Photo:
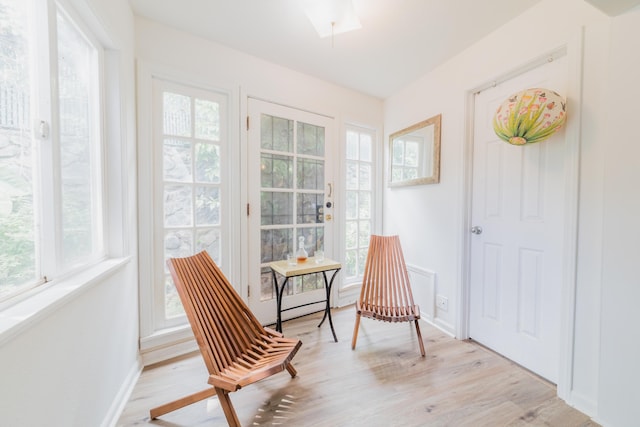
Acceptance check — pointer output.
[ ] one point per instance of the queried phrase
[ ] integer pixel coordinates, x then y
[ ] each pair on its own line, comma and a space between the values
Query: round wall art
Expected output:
529, 116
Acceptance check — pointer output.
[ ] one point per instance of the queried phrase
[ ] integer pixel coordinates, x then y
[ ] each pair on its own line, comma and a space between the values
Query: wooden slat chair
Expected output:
236, 348
386, 291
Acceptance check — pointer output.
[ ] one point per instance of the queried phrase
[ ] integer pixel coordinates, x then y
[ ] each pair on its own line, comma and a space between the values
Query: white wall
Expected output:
619, 402
73, 364
431, 219
213, 65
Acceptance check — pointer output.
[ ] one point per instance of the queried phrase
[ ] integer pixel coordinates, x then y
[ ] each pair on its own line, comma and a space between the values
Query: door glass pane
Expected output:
292, 194
310, 282
266, 285
276, 133
178, 243
310, 139
276, 244
177, 160
17, 216
209, 239
207, 120
173, 305
207, 206
276, 208
309, 208
78, 134
310, 174
313, 238
176, 114
276, 171
177, 206
208, 163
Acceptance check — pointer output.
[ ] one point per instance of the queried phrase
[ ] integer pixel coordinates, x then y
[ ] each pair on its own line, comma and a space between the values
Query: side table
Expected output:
310, 266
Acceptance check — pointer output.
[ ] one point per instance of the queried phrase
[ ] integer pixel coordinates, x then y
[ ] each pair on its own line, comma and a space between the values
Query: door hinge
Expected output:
248, 292
247, 209
247, 122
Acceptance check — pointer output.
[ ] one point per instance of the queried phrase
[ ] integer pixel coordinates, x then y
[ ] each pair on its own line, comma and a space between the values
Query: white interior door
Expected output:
516, 261
289, 174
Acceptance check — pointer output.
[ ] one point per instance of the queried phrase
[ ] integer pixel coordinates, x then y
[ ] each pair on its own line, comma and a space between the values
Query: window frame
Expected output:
45, 140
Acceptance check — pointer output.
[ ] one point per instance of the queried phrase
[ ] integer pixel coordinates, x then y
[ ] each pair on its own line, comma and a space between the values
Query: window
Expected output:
360, 206
50, 176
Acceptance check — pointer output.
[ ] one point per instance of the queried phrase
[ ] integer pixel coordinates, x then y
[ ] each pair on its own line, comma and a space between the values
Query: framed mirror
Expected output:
414, 154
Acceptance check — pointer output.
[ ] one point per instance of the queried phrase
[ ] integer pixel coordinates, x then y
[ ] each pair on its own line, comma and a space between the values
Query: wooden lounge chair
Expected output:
236, 348
386, 291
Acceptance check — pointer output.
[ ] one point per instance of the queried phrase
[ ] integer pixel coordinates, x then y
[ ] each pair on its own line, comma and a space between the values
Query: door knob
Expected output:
476, 229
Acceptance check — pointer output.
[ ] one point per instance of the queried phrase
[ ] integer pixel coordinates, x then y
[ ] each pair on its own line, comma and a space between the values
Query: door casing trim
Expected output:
573, 49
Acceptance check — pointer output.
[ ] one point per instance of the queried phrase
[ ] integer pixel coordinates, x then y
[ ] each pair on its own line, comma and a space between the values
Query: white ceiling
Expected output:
400, 40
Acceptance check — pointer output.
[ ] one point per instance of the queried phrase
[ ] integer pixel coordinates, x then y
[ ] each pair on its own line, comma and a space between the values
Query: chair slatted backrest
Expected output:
222, 323
235, 347
386, 289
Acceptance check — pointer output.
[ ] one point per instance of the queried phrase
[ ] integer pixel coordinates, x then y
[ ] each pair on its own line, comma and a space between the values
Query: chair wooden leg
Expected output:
181, 403
227, 407
419, 338
355, 332
292, 371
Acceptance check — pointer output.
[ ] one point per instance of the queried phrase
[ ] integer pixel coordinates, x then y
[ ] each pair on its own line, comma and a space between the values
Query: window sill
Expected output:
23, 314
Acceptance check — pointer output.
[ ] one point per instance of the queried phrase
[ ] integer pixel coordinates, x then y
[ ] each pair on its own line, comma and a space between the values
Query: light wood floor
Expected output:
384, 382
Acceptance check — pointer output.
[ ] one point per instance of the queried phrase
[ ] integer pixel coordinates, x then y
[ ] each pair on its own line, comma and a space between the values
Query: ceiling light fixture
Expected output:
331, 17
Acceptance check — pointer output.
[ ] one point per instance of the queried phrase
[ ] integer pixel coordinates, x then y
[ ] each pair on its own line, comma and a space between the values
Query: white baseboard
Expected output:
346, 296
167, 344
166, 352
123, 395
584, 404
445, 327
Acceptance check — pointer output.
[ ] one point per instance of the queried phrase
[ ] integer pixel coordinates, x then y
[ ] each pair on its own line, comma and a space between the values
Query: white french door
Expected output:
290, 185
191, 182
518, 216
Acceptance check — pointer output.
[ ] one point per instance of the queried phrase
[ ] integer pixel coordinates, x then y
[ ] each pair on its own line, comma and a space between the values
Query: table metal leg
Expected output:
279, 293
328, 284
327, 309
